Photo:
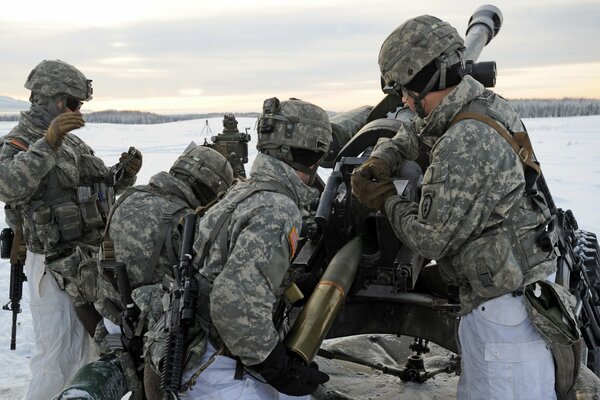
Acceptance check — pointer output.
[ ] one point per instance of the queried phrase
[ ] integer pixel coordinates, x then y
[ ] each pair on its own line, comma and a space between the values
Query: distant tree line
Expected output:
139, 117
567, 107
527, 108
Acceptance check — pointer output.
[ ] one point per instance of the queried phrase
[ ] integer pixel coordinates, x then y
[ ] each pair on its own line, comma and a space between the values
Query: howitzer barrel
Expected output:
325, 302
484, 25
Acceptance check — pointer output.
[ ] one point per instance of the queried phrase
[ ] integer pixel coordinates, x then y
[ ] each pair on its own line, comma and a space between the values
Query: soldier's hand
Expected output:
133, 164
370, 193
374, 168
288, 374
60, 126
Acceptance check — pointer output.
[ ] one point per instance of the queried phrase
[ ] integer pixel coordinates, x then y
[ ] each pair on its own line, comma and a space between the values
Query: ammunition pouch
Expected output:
90, 216
490, 266
551, 309
68, 218
45, 230
75, 272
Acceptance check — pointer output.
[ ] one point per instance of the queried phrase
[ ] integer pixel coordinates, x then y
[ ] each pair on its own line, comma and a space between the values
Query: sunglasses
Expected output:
74, 104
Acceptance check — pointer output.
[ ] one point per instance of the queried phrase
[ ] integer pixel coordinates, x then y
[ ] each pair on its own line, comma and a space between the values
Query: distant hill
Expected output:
141, 117
8, 104
527, 108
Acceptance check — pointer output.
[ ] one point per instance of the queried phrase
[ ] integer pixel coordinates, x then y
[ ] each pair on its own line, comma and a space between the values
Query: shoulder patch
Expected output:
293, 240
19, 144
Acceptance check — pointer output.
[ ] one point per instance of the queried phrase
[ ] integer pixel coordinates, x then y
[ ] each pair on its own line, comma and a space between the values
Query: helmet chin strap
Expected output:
419, 99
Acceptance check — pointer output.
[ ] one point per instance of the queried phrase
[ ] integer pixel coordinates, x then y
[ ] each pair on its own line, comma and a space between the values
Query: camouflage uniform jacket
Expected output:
136, 228
261, 239
474, 185
40, 177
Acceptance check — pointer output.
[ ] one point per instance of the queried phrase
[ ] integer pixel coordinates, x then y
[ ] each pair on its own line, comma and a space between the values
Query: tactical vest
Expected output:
163, 239
65, 209
501, 261
197, 338
559, 328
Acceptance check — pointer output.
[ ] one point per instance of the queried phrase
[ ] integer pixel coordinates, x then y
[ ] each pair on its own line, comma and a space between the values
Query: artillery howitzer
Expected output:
394, 290
232, 144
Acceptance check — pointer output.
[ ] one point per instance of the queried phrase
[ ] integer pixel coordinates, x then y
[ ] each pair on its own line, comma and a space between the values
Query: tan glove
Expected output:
60, 126
374, 168
370, 193
133, 162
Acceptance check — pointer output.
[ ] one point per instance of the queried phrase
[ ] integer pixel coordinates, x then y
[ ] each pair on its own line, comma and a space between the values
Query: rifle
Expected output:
131, 326
181, 312
13, 248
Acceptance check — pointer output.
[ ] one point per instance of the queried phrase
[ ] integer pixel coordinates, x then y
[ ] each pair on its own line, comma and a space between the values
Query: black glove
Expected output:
288, 374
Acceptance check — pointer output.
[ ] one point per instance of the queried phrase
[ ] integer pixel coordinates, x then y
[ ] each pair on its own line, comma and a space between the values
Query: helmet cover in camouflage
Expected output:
415, 44
53, 77
292, 124
205, 166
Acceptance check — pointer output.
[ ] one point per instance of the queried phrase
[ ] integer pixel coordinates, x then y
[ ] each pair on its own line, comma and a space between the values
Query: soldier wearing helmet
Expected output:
244, 245
473, 217
58, 193
143, 230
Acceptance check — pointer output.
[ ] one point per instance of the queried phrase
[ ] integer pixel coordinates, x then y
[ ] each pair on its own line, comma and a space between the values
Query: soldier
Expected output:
243, 248
473, 217
58, 192
143, 230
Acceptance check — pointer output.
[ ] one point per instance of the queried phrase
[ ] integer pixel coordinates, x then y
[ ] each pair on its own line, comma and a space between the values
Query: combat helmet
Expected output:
54, 77
420, 43
295, 132
205, 170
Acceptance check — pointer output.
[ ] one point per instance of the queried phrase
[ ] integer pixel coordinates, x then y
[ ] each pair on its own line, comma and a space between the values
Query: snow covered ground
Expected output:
568, 149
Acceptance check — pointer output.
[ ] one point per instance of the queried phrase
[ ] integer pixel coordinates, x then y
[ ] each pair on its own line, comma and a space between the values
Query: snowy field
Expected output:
568, 149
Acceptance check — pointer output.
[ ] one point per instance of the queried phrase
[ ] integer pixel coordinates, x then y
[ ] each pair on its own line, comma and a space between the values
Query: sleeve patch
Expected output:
19, 144
293, 240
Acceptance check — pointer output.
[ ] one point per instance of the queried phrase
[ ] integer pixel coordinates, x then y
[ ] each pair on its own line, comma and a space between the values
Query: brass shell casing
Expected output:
324, 303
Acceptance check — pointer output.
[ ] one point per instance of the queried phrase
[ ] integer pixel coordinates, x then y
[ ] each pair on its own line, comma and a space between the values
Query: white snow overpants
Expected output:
62, 345
503, 356
217, 382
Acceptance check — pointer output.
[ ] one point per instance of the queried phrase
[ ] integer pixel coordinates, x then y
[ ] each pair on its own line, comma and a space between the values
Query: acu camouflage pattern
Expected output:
35, 182
248, 284
205, 166
38, 182
297, 124
134, 228
52, 77
474, 184
416, 43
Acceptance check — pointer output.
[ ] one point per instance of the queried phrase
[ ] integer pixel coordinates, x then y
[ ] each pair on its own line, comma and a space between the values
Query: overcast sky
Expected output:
227, 55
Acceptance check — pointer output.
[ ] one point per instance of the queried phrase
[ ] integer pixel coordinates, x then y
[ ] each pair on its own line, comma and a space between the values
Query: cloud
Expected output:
236, 52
